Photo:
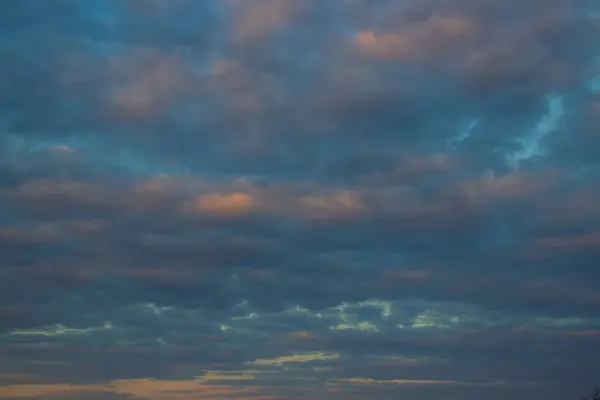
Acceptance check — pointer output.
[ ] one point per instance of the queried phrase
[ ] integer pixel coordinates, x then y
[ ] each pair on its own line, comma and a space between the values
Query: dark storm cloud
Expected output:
298, 199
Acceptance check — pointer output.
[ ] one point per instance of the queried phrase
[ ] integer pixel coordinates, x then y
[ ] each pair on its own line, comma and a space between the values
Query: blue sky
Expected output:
299, 199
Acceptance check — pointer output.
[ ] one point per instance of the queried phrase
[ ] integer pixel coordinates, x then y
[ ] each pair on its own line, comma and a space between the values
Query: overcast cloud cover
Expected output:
299, 199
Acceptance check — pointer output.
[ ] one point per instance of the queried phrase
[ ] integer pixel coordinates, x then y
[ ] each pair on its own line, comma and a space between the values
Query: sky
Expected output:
299, 199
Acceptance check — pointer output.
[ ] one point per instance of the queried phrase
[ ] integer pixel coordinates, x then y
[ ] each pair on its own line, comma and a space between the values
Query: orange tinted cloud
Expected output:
385, 46
152, 389
231, 204
302, 335
338, 204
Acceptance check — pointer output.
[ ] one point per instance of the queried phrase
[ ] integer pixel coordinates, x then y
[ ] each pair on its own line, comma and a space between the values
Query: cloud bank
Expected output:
294, 199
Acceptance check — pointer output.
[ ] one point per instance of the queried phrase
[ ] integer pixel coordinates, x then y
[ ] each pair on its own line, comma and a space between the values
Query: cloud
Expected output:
397, 381
271, 199
298, 358
530, 147
134, 388
583, 241
435, 34
146, 83
226, 204
256, 20
512, 186
60, 330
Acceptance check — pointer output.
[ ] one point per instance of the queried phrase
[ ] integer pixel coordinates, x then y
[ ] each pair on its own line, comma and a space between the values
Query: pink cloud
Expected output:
145, 82
513, 186
569, 211
408, 168
515, 57
318, 203
155, 194
230, 204
585, 241
143, 388
592, 333
242, 88
429, 37
256, 19
342, 204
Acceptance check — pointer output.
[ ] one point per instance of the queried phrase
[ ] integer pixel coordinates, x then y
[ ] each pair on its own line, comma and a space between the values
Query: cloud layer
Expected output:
293, 199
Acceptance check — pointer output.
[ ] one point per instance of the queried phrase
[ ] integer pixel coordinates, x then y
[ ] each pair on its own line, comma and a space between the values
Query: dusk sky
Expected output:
299, 199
